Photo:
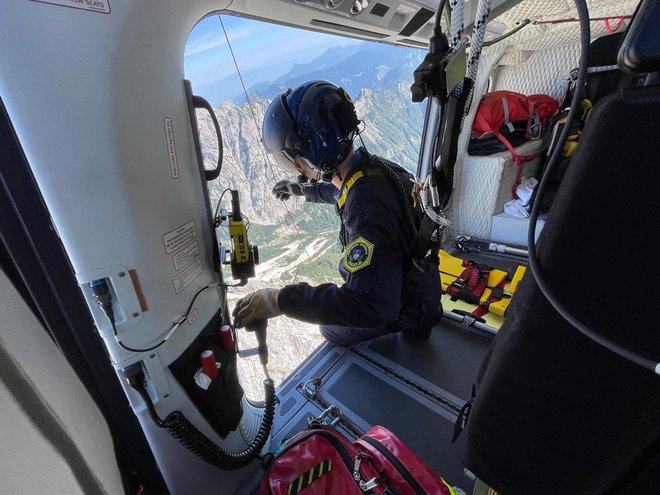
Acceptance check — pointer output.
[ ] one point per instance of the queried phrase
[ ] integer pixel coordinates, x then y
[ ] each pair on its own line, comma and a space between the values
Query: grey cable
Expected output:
270, 165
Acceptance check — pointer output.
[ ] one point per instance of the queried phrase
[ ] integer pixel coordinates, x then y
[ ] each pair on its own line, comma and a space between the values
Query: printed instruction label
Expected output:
186, 255
179, 237
171, 147
184, 279
100, 6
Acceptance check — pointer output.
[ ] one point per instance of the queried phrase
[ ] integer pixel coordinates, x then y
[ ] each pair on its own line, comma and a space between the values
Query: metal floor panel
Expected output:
370, 398
446, 364
449, 359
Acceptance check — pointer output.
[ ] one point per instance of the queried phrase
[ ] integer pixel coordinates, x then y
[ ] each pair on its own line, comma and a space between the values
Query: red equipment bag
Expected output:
502, 108
322, 461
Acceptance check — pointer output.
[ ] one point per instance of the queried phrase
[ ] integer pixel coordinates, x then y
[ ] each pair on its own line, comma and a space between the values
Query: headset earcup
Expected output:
347, 118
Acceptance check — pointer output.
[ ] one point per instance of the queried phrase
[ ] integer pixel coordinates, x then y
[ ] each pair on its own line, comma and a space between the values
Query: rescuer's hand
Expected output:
260, 305
284, 189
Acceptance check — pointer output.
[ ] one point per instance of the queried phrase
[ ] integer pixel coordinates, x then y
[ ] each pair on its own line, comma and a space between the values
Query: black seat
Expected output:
604, 77
556, 412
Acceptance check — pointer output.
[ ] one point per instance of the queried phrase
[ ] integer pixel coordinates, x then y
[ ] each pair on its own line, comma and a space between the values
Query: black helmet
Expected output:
315, 121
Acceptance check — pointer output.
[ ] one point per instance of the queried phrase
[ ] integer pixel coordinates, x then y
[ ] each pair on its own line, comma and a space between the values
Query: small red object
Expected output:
226, 337
207, 359
614, 29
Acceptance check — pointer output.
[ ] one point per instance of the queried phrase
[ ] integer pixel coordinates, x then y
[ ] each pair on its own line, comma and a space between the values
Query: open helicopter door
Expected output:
106, 126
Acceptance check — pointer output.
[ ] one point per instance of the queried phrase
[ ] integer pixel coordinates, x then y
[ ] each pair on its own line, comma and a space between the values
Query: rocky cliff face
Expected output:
245, 166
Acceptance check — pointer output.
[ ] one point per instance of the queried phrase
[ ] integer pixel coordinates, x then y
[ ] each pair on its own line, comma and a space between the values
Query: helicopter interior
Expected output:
104, 190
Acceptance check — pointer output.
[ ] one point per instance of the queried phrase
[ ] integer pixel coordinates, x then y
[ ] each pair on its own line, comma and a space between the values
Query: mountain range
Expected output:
353, 67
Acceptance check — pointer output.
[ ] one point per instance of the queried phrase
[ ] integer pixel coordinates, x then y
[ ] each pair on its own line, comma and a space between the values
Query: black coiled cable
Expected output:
198, 443
401, 189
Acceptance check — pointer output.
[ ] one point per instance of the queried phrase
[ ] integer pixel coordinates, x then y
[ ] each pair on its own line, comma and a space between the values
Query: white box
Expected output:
512, 230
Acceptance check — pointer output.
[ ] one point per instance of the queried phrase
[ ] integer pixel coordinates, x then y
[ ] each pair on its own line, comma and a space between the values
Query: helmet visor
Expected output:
279, 128
294, 165
284, 160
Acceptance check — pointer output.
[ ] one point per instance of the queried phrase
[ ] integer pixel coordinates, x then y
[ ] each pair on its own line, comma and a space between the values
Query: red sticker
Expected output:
192, 316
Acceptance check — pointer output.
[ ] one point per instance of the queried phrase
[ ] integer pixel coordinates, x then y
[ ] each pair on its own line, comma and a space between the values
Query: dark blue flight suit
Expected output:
377, 296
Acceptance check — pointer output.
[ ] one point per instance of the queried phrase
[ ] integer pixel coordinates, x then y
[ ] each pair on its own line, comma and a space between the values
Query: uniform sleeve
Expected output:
320, 192
372, 263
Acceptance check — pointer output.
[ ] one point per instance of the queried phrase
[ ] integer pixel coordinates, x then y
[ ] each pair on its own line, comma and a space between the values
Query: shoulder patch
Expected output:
358, 254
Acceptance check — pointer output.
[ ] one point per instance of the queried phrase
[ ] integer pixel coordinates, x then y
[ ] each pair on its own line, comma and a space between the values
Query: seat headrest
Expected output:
604, 51
640, 50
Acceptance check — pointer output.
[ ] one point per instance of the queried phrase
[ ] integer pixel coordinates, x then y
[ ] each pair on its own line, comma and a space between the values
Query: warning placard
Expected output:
185, 256
100, 6
179, 237
184, 279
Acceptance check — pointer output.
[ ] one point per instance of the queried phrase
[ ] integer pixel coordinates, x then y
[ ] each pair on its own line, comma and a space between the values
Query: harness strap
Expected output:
508, 145
533, 130
499, 301
471, 284
507, 114
517, 159
346, 187
497, 294
520, 165
494, 299
373, 172
370, 172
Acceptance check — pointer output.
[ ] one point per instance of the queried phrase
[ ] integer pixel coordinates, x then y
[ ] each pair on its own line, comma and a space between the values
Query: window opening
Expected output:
297, 241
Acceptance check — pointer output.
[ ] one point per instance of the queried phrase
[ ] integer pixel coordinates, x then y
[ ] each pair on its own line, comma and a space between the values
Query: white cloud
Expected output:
205, 42
216, 37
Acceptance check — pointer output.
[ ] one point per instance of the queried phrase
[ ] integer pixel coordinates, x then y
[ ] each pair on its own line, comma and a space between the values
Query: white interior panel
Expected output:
540, 72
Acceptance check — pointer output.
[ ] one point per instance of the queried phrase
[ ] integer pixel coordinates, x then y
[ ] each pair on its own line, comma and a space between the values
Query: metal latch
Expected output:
334, 410
365, 486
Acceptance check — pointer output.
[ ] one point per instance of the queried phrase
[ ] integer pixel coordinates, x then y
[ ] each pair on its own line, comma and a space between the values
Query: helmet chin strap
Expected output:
328, 172
328, 169
327, 175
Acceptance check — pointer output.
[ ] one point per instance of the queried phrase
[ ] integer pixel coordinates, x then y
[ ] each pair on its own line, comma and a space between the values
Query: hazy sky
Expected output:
264, 52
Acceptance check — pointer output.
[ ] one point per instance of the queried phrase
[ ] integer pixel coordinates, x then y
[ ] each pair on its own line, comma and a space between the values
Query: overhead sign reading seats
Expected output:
100, 6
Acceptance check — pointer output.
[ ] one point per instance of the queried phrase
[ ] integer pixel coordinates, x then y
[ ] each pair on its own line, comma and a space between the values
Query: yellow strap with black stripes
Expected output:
309, 477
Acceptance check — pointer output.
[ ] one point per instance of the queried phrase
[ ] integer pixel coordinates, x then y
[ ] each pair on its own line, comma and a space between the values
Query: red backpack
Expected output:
320, 461
502, 108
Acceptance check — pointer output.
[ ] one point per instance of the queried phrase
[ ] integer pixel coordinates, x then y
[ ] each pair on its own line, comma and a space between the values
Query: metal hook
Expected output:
335, 410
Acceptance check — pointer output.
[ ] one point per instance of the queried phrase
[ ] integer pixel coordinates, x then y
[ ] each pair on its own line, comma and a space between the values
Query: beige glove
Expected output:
260, 305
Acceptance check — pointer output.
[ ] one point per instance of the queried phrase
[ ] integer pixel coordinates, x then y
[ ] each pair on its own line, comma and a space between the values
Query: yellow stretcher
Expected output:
451, 268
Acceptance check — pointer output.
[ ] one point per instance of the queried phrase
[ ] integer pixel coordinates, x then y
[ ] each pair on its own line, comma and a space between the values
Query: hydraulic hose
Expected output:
193, 439
199, 444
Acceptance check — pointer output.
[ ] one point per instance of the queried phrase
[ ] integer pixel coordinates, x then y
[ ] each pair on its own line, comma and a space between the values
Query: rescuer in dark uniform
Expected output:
311, 129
